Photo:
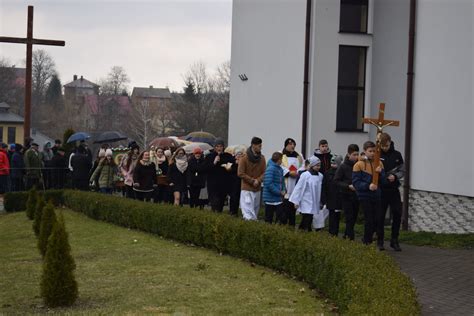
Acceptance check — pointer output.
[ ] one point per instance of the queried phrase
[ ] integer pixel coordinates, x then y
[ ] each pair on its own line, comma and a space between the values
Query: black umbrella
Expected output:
110, 137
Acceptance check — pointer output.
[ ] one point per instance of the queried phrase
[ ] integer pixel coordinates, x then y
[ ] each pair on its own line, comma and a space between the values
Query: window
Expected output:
12, 135
1, 134
351, 88
353, 18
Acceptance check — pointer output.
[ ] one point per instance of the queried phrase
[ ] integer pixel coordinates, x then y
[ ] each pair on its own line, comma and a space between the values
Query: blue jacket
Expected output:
273, 183
362, 178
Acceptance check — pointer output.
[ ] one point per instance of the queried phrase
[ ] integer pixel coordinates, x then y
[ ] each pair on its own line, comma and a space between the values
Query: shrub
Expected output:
357, 278
31, 203
48, 220
58, 285
38, 212
17, 201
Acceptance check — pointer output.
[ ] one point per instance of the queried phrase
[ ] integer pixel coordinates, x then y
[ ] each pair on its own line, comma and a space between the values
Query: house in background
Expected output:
80, 87
156, 97
11, 126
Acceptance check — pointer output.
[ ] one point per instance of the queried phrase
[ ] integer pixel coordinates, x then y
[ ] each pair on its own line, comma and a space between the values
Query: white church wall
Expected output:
268, 47
389, 64
443, 146
324, 76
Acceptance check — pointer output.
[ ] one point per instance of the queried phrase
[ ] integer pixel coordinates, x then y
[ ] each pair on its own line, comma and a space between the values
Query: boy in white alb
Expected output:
306, 195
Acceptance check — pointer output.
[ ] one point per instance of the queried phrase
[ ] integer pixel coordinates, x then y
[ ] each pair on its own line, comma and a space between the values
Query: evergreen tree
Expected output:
38, 214
54, 91
58, 284
31, 203
48, 219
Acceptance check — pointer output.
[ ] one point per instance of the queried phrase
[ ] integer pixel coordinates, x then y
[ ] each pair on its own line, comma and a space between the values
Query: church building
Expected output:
312, 69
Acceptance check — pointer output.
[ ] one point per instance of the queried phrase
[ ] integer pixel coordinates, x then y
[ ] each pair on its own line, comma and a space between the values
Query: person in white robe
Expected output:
306, 195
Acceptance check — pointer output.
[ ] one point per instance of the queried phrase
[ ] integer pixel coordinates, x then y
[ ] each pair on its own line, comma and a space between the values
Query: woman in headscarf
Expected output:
106, 173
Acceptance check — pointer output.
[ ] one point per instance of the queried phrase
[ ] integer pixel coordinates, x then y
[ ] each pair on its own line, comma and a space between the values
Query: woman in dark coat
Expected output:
144, 177
17, 173
162, 192
177, 175
196, 178
59, 169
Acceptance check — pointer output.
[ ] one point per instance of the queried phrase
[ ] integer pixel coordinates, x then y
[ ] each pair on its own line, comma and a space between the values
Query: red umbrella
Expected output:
164, 142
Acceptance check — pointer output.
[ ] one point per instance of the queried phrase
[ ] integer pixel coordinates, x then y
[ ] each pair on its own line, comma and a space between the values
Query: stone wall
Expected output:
441, 212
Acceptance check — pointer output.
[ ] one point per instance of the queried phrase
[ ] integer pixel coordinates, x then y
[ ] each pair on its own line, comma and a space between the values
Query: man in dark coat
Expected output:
81, 165
324, 154
17, 173
395, 170
218, 166
59, 169
33, 165
196, 178
331, 196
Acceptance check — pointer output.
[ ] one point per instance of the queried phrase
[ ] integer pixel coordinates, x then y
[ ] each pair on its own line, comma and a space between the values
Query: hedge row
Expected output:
16, 201
357, 278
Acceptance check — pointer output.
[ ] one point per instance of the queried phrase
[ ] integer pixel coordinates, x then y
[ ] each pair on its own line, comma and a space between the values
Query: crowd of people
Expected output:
322, 185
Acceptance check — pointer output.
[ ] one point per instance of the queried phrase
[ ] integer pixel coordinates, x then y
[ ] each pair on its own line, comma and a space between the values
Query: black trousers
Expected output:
194, 193
17, 184
129, 192
334, 218
288, 213
392, 198
31, 182
351, 210
81, 184
143, 196
306, 222
272, 211
217, 200
372, 212
234, 202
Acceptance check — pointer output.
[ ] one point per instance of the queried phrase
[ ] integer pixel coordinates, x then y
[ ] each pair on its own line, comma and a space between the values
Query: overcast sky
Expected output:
155, 41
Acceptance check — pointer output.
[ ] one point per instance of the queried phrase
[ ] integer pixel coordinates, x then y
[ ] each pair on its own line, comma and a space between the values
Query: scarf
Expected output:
181, 164
160, 160
253, 158
145, 163
292, 154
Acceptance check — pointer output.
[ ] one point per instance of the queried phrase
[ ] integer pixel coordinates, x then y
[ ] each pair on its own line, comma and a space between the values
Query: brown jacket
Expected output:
249, 171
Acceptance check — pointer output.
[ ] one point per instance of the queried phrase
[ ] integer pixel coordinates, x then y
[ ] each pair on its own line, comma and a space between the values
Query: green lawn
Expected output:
121, 271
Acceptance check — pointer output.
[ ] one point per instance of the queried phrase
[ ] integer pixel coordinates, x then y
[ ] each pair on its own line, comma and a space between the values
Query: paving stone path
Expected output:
444, 278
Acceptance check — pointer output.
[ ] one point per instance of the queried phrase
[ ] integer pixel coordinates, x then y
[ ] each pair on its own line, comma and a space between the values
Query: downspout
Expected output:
304, 136
409, 114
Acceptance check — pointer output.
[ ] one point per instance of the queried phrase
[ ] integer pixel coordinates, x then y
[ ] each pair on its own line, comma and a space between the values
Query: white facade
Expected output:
267, 37
443, 154
268, 46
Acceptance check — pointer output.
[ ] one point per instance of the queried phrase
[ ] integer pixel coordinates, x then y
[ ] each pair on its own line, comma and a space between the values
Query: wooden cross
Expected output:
29, 41
380, 123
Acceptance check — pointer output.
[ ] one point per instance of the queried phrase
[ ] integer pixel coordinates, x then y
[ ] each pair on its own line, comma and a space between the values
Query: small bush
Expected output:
357, 278
31, 203
40, 204
48, 220
58, 285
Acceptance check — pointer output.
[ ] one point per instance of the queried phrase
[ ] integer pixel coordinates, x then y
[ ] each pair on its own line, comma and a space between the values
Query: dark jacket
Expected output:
362, 178
325, 160
195, 173
235, 181
343, 178
393, 164
81, 166
17, 166
330, 194
59, 165
177, 178
218, 178
145, 176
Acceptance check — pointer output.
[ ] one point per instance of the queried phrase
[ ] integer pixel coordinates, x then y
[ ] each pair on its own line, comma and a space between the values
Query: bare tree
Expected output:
7, 81
116, 82
43, 68
141, 125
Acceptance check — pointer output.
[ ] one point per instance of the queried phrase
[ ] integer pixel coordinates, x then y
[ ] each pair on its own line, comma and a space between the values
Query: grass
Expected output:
122, 271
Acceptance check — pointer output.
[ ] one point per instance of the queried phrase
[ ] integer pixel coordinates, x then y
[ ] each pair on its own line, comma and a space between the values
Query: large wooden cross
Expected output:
29, 41
380, 123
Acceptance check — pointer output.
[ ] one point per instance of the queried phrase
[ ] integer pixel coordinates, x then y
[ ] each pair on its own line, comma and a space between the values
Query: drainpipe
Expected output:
408, 114
304, 136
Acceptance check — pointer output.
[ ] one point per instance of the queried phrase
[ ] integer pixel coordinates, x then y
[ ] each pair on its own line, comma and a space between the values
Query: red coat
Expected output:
4, 163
